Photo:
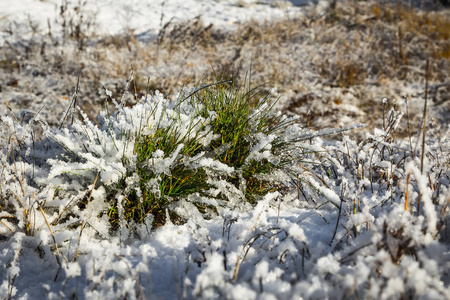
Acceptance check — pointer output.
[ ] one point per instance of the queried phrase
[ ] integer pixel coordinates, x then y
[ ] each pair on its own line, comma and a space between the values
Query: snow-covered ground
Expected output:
331, 232
145, 18
339, 232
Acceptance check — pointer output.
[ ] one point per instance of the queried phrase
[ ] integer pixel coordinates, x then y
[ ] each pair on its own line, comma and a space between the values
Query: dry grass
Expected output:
354, 54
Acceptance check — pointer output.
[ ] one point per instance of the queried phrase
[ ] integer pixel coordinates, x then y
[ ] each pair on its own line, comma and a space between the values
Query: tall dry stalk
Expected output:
427, 75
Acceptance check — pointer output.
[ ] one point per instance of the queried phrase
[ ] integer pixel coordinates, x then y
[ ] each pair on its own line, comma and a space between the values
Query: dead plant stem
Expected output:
427, 75
84, 220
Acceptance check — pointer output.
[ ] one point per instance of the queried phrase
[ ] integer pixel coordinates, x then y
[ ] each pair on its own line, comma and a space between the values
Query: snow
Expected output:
146, 18
336, 230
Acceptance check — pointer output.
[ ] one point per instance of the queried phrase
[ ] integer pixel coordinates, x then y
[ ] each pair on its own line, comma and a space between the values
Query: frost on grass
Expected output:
341, 220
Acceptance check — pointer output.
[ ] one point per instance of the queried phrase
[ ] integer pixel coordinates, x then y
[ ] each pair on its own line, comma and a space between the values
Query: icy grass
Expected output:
265, 207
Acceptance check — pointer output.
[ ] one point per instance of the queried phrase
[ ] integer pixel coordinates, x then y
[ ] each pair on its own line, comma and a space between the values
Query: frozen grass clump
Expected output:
215, 196
215, 147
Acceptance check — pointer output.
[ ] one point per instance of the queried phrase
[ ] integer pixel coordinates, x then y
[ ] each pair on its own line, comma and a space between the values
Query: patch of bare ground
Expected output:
331, 65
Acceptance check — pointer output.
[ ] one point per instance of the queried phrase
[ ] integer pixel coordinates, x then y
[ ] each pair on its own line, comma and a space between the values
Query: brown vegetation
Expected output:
342, 61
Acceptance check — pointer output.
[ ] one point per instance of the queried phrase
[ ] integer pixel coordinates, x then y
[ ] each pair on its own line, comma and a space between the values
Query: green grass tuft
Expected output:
238, 119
